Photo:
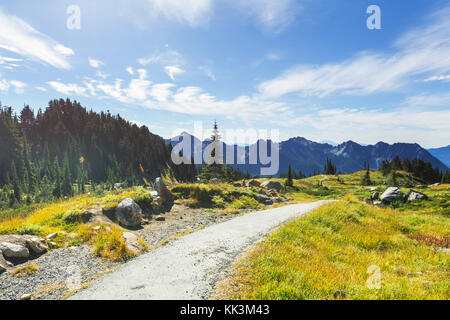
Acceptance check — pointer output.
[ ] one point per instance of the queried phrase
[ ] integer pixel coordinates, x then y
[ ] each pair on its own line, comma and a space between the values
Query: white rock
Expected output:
26, 297
52, 236
392, 194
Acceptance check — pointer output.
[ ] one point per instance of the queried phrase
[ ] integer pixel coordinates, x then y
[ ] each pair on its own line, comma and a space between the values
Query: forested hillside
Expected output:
44, 154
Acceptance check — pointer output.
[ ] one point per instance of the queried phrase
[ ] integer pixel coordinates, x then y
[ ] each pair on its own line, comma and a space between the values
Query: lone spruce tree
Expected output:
365, 181
289, 182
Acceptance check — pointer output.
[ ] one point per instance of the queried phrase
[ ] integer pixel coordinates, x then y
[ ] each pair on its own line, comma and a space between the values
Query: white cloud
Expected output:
41, 89
102, 75
192, 12
208, 73
19, 37
273, 16
18, 85
68, 89
426, 127
438, 78
95, 63
4, 85
271, 56
173, 71
161, 91
130, 70
170, 57
422, 51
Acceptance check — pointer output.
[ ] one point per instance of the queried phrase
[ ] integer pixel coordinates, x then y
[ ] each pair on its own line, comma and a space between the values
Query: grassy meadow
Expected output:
333, 252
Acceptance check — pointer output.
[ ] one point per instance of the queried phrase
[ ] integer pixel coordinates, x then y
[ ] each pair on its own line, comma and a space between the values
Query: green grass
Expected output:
331, 250
67, 219
219, 196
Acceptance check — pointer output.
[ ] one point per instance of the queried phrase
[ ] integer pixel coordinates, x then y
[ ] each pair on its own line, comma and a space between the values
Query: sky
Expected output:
309, 68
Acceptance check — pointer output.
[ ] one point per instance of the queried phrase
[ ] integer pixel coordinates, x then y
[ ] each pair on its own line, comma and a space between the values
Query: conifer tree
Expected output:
365, 181
289, 182
17, 190
67, 187
57, 192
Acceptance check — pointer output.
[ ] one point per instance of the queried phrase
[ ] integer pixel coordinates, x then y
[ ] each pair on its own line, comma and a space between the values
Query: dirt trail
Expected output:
191, 266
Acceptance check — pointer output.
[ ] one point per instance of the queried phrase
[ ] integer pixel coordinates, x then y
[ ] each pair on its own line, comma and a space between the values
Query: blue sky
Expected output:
308, 68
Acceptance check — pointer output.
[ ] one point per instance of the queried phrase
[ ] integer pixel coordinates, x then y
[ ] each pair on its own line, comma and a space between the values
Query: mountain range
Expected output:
309, 156
442, 154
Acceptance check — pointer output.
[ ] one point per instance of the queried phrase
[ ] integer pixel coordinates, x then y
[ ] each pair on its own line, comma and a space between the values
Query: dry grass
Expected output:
331, 250
108, 242
26, 270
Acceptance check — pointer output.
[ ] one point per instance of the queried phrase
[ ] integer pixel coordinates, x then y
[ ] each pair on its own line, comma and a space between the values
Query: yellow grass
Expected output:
331, 250
28, 269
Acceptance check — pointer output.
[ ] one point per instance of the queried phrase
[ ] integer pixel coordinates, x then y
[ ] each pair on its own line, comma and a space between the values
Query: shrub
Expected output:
32, 229
219, 202
245, 202
145, 202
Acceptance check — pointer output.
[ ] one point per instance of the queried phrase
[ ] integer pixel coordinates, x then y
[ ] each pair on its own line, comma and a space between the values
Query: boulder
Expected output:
262, 198
131, 241
165, 202
128, 213
415, 195
373, 189
392, 194
3, 263
37, 245
119, 185
379, 204
14, 251
253, 183
375, 195
154, 193
274, 185
435, 184
162, 190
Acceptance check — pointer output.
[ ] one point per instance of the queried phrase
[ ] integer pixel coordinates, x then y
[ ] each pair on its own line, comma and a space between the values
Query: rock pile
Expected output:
15, 249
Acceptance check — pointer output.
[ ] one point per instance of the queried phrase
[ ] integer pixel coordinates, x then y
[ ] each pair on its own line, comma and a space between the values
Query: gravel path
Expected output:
63, 267
191, 266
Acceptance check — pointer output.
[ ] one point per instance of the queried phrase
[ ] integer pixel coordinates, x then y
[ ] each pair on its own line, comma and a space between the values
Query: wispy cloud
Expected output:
68, 89
19, 37
271, 56
209, 73
167, 57
173, 71
438, 78
422, 51
273, 16
19, 86
192, 12
95, 63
